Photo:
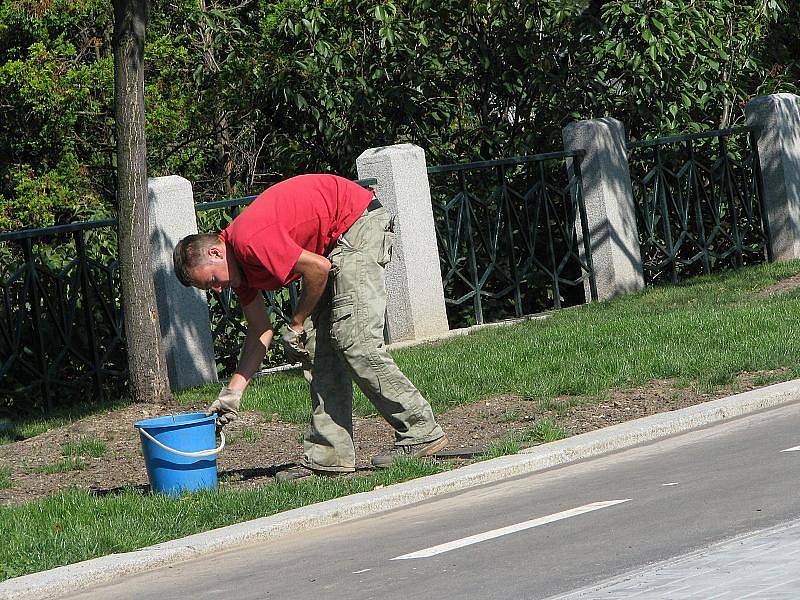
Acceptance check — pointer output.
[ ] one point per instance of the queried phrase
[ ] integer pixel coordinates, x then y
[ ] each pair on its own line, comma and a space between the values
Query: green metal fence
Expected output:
61, 324
699, 203
62, 334
507, 239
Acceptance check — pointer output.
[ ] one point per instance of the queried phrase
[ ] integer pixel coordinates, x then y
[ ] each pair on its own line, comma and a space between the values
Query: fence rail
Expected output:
61, 322
699, 202
507, 239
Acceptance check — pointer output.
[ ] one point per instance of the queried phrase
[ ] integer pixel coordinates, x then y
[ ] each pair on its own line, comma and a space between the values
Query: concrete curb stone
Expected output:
71, 578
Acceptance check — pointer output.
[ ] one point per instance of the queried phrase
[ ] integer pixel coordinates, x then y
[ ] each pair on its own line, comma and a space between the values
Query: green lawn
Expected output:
700, 333
75, 525
704, 331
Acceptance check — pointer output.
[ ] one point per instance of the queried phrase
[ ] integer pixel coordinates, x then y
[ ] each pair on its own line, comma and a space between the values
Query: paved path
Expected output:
758, 566
533, 536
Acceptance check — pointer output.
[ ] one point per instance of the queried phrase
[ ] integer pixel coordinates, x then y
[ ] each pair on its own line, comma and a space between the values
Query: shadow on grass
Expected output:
143, 488
253, 472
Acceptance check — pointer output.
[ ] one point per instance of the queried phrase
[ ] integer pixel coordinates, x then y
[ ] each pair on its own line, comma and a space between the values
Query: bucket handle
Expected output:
198, 454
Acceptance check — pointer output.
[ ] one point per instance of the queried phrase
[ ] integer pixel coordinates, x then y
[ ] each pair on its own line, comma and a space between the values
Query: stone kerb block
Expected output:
182, 311
610, 211
776, 120
416, 307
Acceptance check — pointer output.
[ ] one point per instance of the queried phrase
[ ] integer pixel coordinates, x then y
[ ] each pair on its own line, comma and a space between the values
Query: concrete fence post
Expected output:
776, 120
182, 311
416, 307
610, 212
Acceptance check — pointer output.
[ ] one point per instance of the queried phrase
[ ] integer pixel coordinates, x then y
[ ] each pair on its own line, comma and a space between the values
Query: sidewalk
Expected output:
760, 565
73, 577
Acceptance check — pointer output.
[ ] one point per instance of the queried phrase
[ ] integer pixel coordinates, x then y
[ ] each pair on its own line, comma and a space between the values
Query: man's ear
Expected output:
216, 251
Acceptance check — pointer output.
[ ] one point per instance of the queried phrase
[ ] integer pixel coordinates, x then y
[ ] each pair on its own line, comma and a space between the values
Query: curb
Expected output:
72, 578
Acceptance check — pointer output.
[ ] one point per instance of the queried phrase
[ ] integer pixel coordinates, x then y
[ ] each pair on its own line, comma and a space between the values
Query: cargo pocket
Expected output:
386, 248
343, 322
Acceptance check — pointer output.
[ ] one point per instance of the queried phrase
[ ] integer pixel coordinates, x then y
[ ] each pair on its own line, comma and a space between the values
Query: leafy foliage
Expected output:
241, 95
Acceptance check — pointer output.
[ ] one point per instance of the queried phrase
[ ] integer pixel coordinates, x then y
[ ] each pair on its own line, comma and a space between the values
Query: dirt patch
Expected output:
784, 285
259, 447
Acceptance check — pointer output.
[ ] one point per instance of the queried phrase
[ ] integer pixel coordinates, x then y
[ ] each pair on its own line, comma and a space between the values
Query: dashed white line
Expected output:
495, 533
671, 483
361, 571
792, 449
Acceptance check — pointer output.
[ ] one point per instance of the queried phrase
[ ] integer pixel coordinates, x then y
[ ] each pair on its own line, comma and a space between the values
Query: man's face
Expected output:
216, 273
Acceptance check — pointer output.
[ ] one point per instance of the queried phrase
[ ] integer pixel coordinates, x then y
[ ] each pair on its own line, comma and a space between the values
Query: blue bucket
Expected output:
180, 453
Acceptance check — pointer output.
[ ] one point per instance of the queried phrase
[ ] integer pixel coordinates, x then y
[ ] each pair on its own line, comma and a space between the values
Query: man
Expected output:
335, 237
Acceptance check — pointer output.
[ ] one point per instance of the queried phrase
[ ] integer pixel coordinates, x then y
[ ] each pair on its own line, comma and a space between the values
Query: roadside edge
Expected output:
74, 577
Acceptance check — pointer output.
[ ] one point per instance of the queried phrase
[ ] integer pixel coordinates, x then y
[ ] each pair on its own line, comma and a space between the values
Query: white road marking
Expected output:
361, 571
670, 483
495, 533
792, 449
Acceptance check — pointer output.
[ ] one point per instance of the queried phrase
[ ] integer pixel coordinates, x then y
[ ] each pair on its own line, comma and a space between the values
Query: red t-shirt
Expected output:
308, 212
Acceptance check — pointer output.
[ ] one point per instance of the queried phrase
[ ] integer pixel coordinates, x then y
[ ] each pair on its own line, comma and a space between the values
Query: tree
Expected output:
148, 373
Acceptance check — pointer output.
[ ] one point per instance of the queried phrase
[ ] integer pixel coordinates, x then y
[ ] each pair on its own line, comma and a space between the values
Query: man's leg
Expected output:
328, 443
358, 310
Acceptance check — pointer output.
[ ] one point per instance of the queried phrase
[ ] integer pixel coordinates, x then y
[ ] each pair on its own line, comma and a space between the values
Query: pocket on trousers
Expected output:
343, 322
386, 248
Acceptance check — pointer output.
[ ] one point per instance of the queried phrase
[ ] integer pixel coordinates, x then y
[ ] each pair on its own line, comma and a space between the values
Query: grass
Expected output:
75, 525
560, 407
541, 433
84, 447
702, 333
247, 435
510, 416
64, 465
5, 478
33, 425
699, 335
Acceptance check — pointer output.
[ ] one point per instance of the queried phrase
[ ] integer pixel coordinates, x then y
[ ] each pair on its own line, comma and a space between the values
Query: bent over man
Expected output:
335, 237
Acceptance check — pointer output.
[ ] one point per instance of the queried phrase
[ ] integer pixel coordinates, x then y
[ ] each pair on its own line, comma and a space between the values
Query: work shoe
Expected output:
381, 461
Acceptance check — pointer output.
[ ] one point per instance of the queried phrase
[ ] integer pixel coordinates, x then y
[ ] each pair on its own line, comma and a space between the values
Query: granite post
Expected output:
776, 120
183, 312
610, 212
416, 307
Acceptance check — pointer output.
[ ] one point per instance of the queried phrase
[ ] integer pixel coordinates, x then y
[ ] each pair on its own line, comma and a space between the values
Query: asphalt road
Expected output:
531, 537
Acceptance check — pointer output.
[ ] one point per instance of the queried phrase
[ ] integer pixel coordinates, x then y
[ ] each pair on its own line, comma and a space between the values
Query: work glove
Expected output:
226, 406
294, 345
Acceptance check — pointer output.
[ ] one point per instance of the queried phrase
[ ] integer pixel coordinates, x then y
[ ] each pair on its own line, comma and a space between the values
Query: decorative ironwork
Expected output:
507, 237
698, 199
61, 324
62, 336
227, 321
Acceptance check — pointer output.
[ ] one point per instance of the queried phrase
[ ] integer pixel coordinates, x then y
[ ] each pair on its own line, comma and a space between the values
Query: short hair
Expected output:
191, 252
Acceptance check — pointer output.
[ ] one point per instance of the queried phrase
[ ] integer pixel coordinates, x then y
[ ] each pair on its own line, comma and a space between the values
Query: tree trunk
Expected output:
146, 363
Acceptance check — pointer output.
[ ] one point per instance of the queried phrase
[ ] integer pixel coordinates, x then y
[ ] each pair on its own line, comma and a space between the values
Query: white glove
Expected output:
226, 406
294, 345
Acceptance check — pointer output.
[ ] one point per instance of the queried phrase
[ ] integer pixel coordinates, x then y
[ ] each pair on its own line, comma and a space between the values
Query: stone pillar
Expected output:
776, 120
610, 212
183, 312
416, 306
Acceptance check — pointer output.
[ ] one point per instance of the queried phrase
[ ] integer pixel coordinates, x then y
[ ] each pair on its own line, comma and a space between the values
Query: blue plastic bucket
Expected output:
180, 452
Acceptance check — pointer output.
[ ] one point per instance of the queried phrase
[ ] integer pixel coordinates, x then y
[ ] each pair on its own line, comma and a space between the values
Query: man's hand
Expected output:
294, 345
226, 406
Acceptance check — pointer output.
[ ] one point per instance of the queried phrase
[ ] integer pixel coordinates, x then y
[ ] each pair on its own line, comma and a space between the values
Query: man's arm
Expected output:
313, 269
259, 336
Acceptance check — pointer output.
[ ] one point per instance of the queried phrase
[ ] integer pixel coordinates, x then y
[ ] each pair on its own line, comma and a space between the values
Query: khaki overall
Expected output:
346, 343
